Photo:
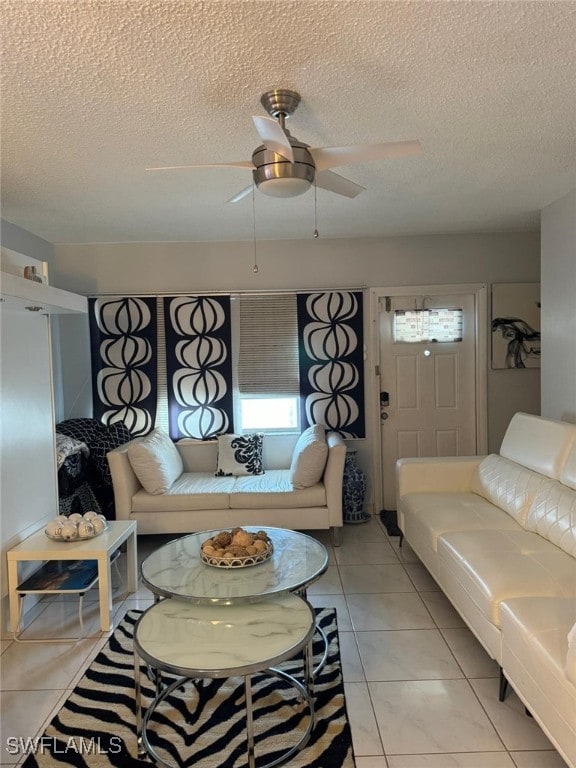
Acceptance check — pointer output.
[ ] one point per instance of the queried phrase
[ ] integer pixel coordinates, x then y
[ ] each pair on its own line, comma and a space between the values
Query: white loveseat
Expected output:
498, 533
198, 500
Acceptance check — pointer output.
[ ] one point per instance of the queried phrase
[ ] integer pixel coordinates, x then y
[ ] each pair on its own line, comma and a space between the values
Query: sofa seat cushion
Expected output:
508, 485
274, 489
192, 490
492, 566
430, 515
535, 644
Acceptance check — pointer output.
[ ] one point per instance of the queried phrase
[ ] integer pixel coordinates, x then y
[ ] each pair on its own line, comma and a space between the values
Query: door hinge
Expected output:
377, 370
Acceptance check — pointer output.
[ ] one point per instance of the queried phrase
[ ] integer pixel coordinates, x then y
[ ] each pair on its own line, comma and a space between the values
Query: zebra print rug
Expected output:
96, 726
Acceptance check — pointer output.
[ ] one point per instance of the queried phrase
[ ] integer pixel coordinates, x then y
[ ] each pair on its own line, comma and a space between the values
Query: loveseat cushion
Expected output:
192, 490
274, 490
552, 515
309, 457
155, 461
508, 485
493, 566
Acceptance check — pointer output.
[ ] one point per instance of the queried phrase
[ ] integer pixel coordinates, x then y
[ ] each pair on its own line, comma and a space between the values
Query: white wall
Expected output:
559, 309
28, 490
180, 267
354, 263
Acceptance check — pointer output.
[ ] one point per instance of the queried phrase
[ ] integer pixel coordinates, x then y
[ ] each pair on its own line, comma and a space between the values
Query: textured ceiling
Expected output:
93, 91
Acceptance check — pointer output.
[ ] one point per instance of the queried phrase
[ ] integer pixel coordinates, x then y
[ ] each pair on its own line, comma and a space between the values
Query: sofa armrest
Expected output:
333, 477
436, 474
124, 481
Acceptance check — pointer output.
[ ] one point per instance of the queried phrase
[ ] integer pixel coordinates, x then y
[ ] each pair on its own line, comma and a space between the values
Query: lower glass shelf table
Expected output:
194, 641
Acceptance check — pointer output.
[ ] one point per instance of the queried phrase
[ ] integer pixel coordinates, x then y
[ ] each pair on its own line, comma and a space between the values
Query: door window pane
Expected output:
427, 325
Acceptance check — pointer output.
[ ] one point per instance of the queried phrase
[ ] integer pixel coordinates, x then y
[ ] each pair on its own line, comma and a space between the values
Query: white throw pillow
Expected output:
155, 461
309, 457
240, 455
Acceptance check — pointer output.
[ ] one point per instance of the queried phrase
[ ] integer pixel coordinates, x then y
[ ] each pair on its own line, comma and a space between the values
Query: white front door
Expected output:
427, 387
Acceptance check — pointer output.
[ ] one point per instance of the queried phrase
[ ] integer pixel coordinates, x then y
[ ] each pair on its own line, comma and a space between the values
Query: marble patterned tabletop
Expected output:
223, 640
176, 570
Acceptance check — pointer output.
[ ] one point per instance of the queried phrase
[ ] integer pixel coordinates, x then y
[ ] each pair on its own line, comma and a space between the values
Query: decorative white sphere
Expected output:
90, 515
69, 531
54, 528
75, 518
98, 525
62, 519
85, 529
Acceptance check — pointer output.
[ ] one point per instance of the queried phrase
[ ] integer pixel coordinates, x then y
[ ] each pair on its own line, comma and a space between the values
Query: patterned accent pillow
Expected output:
84, 429
240, 455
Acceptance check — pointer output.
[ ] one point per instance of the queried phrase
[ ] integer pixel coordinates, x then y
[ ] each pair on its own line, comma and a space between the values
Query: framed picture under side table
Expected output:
101, 549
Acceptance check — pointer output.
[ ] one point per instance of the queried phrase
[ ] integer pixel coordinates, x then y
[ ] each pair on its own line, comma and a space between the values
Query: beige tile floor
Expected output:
420, 691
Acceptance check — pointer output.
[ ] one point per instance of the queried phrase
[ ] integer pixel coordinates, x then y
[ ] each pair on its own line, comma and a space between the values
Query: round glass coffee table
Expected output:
195, 641
177, 570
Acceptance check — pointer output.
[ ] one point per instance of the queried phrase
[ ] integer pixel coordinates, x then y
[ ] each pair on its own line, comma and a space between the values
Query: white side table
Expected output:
101, 548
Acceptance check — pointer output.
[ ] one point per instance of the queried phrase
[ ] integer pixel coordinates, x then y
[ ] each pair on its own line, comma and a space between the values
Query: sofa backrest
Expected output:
538, 444
508, 485
568, 473
552, 515
202, 455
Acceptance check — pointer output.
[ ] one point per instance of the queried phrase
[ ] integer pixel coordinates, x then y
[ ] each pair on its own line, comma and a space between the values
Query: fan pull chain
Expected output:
316, 233
255, 267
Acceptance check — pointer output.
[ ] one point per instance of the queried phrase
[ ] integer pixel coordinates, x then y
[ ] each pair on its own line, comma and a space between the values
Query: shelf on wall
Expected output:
22, 294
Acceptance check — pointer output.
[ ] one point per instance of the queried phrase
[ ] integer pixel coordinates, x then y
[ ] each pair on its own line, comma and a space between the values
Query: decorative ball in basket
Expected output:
236, 549
76, 526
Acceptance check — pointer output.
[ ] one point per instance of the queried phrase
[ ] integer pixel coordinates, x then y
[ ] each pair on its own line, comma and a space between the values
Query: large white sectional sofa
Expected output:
198, 500
498, 533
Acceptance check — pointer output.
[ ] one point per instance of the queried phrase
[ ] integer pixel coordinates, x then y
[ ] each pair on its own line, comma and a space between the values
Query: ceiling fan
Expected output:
283, 166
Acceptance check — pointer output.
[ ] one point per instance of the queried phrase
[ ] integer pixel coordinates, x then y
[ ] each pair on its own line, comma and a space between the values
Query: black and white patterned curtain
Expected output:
330, 330
123, 351
198, 365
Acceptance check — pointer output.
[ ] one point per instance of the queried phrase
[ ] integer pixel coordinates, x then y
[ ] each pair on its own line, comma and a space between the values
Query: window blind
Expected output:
268, 359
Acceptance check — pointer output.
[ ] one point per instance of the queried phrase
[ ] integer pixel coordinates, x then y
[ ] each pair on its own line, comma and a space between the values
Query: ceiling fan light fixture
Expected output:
284, 187
283, 166
275, 176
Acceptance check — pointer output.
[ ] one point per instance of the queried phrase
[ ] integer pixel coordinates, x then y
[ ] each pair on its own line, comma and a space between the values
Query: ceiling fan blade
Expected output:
238, 164
331, 157
273, 137
336, 183
241, 195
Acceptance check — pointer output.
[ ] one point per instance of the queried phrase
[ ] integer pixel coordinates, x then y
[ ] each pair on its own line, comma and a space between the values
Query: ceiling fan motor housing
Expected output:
278, 177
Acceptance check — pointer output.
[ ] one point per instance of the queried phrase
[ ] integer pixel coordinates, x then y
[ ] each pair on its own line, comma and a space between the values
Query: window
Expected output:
268, 378
427, 325
269, 413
